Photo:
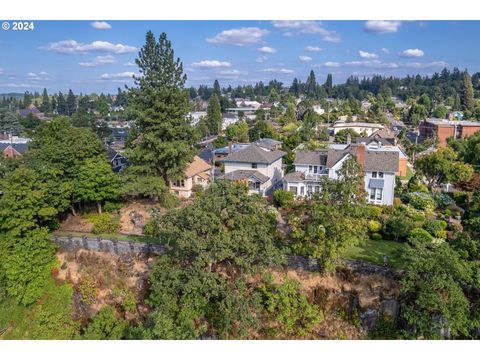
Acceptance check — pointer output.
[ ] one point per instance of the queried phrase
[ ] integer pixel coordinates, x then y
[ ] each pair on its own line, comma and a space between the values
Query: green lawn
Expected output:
373, 251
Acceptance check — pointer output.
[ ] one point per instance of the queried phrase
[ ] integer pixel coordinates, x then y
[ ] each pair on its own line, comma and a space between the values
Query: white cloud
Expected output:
385, 50
122, 75
210, 64
261, 59
313, 48
304, 58
267, 50
382, 26
329, 64
367, 55
101, 25
412, 53
374, 64
16, 85
239, 37
307, 27
417, 65
99, 60
73, 47
231, 74
278, 71
129, 63
1, 71
38, 77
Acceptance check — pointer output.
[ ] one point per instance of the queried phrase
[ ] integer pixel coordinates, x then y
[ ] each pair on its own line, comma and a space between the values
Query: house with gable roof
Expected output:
379, 169
260, 168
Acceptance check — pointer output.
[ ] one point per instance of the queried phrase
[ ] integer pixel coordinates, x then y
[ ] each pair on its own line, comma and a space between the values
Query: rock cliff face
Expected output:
360, 295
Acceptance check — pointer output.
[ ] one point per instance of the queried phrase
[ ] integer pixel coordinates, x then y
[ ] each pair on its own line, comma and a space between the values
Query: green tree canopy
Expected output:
159, 105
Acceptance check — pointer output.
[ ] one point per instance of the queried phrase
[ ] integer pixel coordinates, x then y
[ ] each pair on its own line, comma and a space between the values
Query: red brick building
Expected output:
444, 129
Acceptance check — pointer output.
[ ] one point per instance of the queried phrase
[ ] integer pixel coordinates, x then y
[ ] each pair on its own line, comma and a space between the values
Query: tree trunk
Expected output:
72, 208
99, 207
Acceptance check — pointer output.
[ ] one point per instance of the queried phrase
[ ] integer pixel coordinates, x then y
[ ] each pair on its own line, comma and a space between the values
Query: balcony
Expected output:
316, 177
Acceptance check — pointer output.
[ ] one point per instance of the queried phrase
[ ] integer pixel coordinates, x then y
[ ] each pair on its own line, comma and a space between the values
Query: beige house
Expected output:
198, 172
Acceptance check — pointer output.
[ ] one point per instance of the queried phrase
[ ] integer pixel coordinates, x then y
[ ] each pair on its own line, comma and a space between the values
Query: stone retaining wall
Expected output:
72, 243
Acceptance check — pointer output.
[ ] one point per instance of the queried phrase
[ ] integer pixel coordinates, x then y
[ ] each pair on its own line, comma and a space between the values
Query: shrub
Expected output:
374, 212
374, 226
104, 223
282, 197
197, 189
376, 236
419, 235
436, 228
111, 206
443, 200
168, 200
420, 200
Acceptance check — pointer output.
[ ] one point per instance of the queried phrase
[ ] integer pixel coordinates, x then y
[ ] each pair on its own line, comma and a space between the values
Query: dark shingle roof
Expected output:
255, 154
311, 157
19, 147
294, 176
374, 160
244, 174
381, 161
268, 143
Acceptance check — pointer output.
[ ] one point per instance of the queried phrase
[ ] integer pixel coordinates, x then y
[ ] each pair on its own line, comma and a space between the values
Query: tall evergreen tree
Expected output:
46, 106
163, 145
61, 105
295, 88
311, 84
214, 115
9, 124
467, 97
329, 84
71, 103
216, 89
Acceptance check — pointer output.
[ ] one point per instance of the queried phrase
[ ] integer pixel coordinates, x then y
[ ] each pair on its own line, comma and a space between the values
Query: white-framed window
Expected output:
317, 189
293, 189
302, 190
379, 194
374, 174
376, 195
309, 189
380, 175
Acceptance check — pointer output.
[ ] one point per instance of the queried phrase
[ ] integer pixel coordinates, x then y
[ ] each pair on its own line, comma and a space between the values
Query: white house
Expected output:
379, 171
195, 116
259, 167
358, 127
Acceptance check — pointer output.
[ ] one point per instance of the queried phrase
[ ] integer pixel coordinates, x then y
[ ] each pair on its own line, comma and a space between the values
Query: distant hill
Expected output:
18, 96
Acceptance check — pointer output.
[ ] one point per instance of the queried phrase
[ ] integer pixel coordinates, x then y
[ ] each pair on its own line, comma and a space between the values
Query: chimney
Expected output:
361, 154
349, 139
229, 147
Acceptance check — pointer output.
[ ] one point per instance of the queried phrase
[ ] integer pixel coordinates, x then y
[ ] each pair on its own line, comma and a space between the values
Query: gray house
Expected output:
379, 171
260, 168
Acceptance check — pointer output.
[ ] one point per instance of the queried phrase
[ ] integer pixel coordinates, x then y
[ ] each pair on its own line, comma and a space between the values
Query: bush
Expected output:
443, 200
376, 236
104, 223
168, 200
197, 189
282, 197
436, 228
374, 212
419, 235
420, 201
374, 226
111, 206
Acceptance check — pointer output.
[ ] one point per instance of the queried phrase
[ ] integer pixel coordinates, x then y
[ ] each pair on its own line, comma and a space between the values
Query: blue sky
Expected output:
99, 56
